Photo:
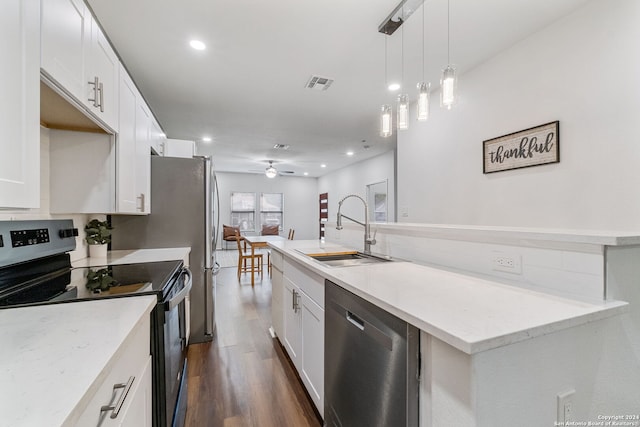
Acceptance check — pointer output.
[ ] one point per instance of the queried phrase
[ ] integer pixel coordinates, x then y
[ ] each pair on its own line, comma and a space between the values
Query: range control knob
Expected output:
69, 232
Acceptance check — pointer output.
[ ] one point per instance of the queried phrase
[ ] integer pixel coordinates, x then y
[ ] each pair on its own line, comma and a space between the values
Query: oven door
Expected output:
175, 347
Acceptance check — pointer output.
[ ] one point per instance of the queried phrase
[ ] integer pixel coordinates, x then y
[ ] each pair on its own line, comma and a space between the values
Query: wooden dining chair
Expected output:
244, 256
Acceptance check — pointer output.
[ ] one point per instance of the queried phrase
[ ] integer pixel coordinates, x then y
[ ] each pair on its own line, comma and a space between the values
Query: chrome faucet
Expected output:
368, 240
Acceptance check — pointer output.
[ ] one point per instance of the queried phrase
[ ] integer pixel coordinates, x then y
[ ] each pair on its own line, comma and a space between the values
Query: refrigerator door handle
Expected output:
216, 269
210, 300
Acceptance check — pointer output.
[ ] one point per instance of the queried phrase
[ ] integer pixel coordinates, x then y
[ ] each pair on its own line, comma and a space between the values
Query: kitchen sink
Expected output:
349, 259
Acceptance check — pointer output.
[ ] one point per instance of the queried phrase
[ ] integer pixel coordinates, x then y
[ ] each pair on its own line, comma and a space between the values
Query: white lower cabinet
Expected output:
277, 292
292, 333
312, 363
303, 326
123, 396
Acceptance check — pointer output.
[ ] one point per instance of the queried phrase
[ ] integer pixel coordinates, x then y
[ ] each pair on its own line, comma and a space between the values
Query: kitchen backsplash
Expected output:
569, 270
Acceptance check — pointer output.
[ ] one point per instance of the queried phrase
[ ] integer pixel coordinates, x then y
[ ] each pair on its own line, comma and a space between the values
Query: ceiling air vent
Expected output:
287, 172
319, 83
281, 146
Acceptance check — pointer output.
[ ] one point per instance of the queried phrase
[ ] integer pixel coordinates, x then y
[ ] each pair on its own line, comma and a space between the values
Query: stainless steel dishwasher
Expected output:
371, 364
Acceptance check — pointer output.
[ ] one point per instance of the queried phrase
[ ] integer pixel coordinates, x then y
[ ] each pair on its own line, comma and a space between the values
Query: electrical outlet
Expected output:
565, 407
507, 262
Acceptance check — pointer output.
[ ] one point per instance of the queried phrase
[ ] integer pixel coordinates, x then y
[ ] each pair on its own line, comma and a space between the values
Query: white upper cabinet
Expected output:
180, 148
133, 150
143, 157
102, 71
19, 104
126, 151
158, 138
77, 57
65, 30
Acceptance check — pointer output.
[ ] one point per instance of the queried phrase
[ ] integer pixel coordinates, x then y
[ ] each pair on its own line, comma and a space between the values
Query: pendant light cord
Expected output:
448, 32
402, 51
423, 53
386, 82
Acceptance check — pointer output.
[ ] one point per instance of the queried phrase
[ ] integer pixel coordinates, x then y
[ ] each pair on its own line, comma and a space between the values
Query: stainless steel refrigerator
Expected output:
184, 204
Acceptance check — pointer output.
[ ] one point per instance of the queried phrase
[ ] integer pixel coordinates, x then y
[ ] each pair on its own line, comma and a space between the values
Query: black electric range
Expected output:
28, 284
35, 269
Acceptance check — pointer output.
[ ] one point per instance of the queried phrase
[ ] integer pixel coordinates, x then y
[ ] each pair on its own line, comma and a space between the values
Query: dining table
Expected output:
257, 242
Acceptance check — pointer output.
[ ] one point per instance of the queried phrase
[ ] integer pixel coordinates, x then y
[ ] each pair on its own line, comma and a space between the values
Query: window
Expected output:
271, 208
243, 211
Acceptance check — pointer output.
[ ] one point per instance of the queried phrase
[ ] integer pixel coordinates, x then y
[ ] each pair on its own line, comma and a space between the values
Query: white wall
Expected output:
300, 199
583, 71
354, 180
43, 212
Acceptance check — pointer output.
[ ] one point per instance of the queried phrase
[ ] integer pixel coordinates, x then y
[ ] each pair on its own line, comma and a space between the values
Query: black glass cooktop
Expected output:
64, 285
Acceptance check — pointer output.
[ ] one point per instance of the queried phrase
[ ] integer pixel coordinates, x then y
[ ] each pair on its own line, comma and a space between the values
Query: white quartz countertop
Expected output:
467, 312
511, 235
52, 355
134, 256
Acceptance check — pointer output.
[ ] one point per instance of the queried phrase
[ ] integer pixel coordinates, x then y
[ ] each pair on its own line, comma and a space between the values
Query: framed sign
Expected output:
530, 147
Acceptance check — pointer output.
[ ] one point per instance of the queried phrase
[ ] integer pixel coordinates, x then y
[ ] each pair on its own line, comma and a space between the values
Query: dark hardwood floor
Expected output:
243, 378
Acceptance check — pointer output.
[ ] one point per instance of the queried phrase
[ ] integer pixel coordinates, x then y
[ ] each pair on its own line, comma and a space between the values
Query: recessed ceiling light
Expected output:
197, 45
306, 173
349, 153
206, 139
394, 86
323, 165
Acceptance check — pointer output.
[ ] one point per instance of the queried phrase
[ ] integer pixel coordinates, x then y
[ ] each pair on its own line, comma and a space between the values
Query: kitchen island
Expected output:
486, 345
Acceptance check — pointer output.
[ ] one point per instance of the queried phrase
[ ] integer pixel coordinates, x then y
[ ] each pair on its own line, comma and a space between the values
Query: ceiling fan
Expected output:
271, 171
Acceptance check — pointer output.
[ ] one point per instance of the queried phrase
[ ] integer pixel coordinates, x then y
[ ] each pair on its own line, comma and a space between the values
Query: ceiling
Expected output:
247, 89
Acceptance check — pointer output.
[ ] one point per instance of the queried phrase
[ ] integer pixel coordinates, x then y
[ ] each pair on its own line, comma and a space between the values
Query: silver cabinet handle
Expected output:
95, 83
141, 198
296, 301
101, 91
118, 406
293, 300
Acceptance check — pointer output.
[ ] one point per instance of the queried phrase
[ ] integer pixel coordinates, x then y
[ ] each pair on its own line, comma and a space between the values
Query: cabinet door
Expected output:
180, 148
126, 147
102, 67
158, 138
143, 157
292, 333
312, 366
276, 300
65, 31
138, 411
19, 104
133, 170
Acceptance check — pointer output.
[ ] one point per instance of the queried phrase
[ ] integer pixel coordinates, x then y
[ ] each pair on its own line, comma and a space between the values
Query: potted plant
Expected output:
98, 235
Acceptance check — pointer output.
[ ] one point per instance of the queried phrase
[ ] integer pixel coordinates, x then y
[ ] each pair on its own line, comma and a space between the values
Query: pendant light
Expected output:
448, 81
403, 112
423, 87
403, 98
271, 172
386, 128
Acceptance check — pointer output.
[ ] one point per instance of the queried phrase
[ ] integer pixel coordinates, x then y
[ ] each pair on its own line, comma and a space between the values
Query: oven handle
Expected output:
180, 296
